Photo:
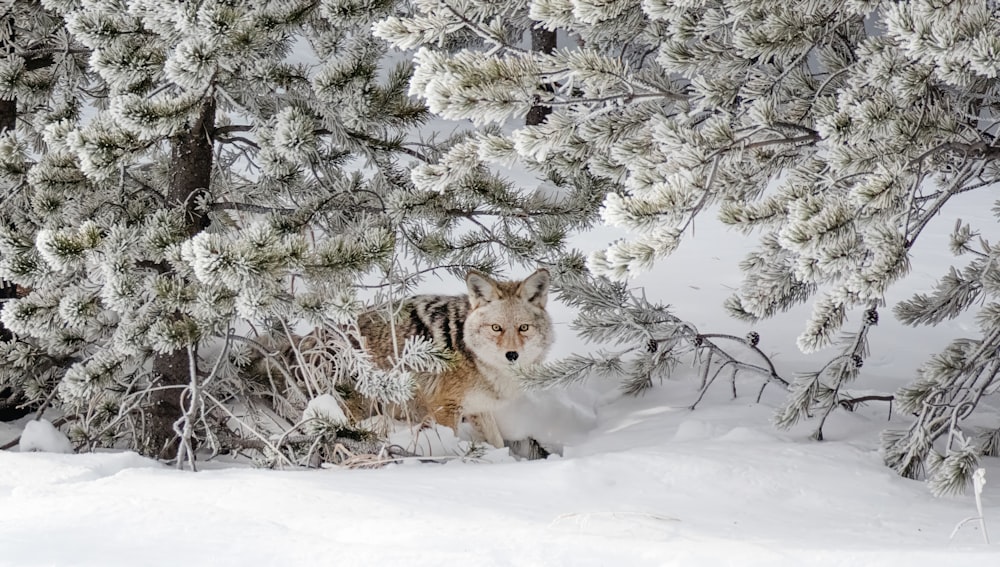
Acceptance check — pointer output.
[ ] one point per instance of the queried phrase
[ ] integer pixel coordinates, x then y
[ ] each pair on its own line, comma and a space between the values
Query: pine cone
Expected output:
871, 317
753, 337
857, 360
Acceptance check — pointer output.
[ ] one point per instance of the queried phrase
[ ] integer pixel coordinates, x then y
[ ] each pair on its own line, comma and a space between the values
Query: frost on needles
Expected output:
176, 227
189, 183
832, 131
192, 187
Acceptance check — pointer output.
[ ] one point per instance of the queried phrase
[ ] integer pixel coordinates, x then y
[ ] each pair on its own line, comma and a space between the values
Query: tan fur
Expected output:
480, 331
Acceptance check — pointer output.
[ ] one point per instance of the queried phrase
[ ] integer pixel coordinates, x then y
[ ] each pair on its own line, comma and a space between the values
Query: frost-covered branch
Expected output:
653, 339
837, 144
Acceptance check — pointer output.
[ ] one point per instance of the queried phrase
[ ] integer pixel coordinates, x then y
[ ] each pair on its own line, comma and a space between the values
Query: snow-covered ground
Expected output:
650, 485
643, 481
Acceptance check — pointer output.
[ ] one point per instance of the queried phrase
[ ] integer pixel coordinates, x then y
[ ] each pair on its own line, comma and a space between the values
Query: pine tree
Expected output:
41, 75
835, 131
234, 175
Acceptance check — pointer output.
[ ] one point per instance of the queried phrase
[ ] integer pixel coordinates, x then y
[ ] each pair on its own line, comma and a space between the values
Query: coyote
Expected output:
486, 333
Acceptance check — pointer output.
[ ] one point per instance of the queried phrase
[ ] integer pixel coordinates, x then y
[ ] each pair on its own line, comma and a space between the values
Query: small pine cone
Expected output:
652, 345
871, 317
698, 341
753, 337
857, 360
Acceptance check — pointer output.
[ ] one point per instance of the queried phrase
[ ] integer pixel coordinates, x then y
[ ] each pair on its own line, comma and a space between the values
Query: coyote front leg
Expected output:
486, 424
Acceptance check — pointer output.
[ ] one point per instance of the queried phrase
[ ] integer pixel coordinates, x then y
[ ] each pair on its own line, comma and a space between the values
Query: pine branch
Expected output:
250, 208
230, 128
850, 362
477, 29
969, 150
750, 342
237, 139
850, 404
968, 172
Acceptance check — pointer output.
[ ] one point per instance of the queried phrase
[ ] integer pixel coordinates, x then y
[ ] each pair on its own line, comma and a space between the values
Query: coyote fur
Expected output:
486, 333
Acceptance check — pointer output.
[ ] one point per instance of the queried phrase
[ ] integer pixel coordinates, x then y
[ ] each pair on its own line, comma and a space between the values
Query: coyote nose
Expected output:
511, 355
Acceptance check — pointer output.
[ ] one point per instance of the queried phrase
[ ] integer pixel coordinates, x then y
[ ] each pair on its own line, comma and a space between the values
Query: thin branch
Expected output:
772, 372
975, 150
854, 353
249, 208
955, 188
240, 139
233, 128
850, 404
624, 97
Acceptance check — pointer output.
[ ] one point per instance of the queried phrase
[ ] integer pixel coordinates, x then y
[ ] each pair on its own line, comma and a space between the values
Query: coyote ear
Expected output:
482, 289
535, 288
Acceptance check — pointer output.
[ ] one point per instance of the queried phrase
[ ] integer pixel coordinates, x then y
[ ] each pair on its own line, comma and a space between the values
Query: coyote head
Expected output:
507, 321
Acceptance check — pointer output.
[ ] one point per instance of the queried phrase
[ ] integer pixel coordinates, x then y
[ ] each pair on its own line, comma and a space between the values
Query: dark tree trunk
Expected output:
11, 400
542, 41
8, 115
191, 172
8, 108
12, 404
8, 121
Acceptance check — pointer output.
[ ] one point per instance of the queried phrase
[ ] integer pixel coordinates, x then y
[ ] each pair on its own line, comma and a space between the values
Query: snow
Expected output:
641, 481
651, 485
41, 435
327, 408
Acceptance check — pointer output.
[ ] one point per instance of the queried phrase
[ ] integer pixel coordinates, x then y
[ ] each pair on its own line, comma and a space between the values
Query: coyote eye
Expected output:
523, 327
497, 328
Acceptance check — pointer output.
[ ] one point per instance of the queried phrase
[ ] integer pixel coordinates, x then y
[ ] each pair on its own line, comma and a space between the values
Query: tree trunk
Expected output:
8, 108
8, 115
11, 400
8, 121
542, 41
191, 172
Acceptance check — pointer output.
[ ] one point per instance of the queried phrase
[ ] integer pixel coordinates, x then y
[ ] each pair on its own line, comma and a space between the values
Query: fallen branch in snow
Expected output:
388, 454
344, 444
850, 404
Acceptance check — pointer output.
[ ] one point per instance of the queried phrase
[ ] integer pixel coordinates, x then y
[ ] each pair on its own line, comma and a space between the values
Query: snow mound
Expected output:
327, 408
43, 469
694, 430
553, 418
41, 435
746, 435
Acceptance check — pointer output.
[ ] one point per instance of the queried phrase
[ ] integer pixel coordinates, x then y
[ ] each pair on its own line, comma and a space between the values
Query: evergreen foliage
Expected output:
197, 183
43, 72
834, 131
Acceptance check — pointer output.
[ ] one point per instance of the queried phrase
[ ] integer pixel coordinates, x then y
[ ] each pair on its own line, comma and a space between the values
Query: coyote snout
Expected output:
498, 326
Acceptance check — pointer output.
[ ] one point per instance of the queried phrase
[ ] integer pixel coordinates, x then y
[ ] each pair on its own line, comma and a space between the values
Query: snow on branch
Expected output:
650, 341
